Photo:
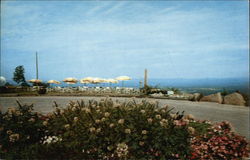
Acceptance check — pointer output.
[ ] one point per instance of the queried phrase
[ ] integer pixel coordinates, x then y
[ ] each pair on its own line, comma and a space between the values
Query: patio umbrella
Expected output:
84, 81
96, 80
35, 81
123, 78
70, 80
53, 82
87, 79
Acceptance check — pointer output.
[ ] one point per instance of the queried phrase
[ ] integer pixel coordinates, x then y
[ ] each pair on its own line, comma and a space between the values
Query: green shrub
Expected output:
118, 130
113, 130
219, 142
19, 128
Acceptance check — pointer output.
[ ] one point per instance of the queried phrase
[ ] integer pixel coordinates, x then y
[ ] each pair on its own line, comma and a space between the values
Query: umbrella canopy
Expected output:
53, 82
123, 78
111, 80
70, 80
85, 81
35, 81
97, 80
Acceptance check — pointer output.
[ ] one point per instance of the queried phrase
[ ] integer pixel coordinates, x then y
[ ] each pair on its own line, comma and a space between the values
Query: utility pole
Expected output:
36, 66
145, 78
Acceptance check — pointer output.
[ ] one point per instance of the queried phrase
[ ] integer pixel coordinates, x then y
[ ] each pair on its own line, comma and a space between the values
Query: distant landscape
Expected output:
205, 85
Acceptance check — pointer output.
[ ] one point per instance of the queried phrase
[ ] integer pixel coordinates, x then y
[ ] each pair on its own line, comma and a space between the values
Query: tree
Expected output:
19, 75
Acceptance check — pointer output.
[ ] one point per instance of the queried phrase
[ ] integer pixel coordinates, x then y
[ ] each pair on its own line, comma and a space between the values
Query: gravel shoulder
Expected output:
237, 115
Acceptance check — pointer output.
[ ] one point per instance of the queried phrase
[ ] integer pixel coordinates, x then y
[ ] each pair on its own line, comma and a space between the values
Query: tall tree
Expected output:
19, 75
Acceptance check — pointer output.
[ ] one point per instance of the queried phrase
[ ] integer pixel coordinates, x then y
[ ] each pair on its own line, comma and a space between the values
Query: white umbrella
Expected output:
96, 80
35, 81
53, 82
70, 80
84, 81
123, 78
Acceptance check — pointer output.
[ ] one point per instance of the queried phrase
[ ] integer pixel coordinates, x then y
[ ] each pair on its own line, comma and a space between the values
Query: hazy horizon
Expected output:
172, 39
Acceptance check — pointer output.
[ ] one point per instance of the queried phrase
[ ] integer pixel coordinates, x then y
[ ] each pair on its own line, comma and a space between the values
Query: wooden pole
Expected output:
0, 63
36, 66
145, 78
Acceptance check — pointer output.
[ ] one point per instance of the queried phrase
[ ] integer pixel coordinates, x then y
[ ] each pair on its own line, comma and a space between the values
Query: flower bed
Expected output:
114, 130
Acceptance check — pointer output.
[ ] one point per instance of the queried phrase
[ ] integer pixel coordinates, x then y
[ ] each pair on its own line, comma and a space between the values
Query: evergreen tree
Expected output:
19, 75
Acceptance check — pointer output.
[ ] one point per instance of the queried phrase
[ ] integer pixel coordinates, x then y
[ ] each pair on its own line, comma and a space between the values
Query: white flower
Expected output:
66, 126
106, 114
109, 148
174, 116
122, 150
9, 132
111, 125
164, 122
189, 116
87, 110
45, 123
121, 121
191, 130
128, 131
51, 139
141, 143
158, 116
143, 111
103, 119
97, 121
14, 137
92, 129
76, 119
150, 120
144, 132
98, 130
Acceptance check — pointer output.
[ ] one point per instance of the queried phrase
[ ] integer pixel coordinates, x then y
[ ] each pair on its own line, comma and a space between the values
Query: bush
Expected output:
118, 130
115, 130
19, 128
219, 142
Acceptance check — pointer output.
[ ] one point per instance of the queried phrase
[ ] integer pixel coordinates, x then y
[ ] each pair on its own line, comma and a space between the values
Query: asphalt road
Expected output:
237, 115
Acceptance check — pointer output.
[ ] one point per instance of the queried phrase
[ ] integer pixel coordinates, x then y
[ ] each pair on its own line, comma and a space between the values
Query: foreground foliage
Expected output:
114, 130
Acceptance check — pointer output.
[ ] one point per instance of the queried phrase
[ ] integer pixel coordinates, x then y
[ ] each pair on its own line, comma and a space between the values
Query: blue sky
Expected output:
182, 39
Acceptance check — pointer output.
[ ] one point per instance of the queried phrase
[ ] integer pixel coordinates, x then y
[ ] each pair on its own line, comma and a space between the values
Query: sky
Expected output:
172, 39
